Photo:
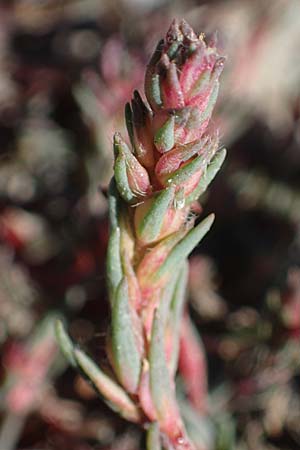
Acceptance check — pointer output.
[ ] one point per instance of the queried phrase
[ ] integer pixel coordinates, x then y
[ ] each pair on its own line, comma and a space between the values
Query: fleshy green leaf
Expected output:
112, 393
113, 204
153, 90
172, 50
200, 84
208, 176
184, 248
126, 357
167, 296
200, 428
176, 310
152, 82
153, 437
65, 342
183, 174
164, 138
131, 177
121, 178
225, 433
211, 102
113, 262
155, 258
160, 383
150, 226
169, 162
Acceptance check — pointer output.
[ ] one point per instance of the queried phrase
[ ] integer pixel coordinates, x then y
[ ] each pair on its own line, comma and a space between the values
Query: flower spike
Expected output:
171, 160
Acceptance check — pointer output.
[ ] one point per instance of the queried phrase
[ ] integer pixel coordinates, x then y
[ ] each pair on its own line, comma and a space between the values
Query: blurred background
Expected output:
67, 67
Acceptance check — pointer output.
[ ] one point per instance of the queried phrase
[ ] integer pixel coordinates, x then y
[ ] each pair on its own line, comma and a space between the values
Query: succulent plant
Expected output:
169, 161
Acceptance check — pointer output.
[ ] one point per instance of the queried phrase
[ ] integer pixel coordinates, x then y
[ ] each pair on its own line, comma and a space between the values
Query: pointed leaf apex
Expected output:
164, 138
112, 393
